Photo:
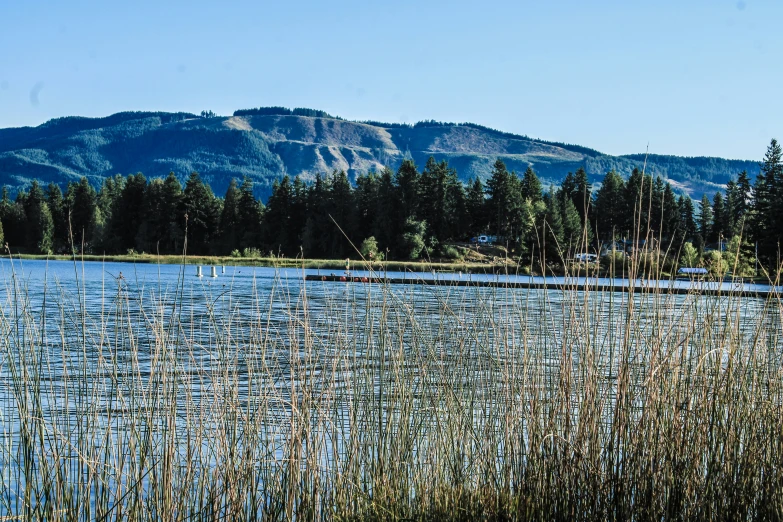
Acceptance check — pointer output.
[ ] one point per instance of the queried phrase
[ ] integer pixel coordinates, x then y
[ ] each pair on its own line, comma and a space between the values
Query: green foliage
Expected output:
369, 249
689, 258
739, 258
413, 238
610, 209
40, 227
450, 252
715, 263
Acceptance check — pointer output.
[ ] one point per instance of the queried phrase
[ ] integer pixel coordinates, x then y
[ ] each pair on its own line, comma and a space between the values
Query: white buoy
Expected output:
198, 271
214, 272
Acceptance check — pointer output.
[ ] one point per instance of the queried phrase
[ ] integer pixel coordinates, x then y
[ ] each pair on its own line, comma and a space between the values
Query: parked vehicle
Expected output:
586, 258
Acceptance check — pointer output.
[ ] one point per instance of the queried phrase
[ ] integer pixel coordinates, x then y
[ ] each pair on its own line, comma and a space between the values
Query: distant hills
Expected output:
266, 143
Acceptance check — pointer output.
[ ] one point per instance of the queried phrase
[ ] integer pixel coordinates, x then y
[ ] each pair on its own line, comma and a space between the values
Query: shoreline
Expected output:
282, 262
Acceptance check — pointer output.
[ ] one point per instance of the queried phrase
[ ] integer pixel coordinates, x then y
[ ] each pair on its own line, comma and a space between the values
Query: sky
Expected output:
685, 77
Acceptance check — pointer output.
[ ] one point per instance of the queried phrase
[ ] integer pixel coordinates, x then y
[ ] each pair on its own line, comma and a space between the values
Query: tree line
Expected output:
402, 214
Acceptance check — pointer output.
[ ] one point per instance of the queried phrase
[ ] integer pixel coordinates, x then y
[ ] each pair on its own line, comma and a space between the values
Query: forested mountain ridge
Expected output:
265, 144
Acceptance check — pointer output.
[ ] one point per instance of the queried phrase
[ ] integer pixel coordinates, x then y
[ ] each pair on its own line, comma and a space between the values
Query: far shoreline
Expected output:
284, 262
509, 267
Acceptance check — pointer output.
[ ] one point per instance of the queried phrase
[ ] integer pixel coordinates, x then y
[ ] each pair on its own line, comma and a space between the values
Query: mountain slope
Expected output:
266, 146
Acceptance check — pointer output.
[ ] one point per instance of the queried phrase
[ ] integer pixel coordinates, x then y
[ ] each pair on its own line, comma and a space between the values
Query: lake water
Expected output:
93, 350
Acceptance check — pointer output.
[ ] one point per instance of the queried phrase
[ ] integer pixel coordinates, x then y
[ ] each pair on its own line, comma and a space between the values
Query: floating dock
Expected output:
677, 287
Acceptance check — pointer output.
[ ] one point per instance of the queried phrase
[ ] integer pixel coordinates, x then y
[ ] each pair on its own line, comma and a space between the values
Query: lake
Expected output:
112, 370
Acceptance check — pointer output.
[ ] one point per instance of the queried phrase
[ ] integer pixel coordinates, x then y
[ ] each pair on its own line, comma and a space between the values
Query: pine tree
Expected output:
388, 223
250, 211
203, 215
279, 235
582, 196
126, 214
13, 217
40, 228
655, 204
82, 203
441, 198
688, 225
229, 219
531, 186
768, 205
59, 211
572, 226
477, 208
504, 197
705, 220
340, 209
672, 218
637, 204
719, 231
610, 208
552, 228
367, 200
407, 181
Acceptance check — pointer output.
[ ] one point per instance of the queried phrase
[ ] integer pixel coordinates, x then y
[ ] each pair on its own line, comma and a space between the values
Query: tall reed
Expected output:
344, 401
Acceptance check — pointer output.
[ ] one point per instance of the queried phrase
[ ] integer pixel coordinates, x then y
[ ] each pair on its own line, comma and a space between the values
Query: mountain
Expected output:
264, 144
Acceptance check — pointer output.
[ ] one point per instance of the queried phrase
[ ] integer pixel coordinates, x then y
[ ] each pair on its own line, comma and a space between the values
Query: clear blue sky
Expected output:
700, 77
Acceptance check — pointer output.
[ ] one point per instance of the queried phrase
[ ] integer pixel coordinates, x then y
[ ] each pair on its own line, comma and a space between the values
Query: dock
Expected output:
676, 287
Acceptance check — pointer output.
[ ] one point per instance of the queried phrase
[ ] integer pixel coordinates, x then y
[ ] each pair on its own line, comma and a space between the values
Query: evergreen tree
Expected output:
279, 234
572, 226
82, 204
388, 222
13, 217
655, 204
40, 228
672, 218
768, 205
502, 201
476, 204
202, 210
126, 214
407, 181
637, 205
582, 195
720, 229
689, 230
441, 198
705, 220
340, 209
732, 202
59, 212
161, 230
551, 233
610, 208
367, 201
298, 214
743, 201
249, 211
531, 188
229, 219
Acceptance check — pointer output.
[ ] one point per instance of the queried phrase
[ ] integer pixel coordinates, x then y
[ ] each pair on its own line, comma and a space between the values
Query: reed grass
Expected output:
343, 401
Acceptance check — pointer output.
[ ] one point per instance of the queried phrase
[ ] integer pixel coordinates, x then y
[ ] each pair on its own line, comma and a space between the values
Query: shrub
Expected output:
369, 249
